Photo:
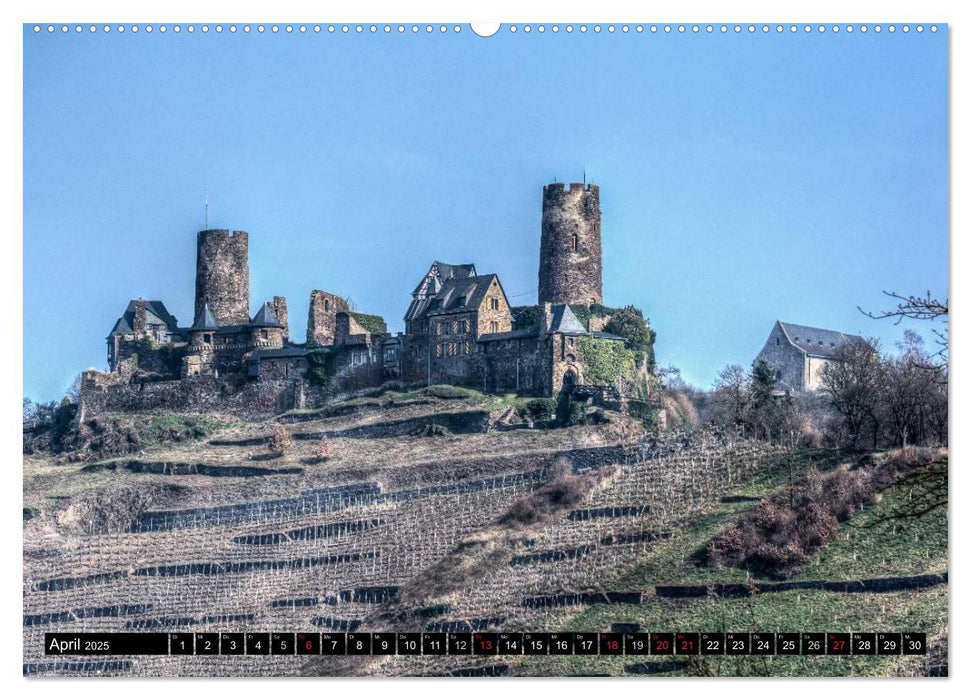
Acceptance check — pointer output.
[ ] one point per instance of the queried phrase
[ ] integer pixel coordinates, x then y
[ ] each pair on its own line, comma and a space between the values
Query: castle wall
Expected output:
275, 368
570, 258
322, 318
198, 394
517, 364
222, 275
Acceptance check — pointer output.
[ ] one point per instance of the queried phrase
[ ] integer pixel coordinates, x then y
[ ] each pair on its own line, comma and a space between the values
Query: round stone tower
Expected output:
222, 276
570, 264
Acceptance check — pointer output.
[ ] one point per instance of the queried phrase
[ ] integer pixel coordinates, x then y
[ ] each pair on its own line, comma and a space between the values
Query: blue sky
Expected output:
744, 178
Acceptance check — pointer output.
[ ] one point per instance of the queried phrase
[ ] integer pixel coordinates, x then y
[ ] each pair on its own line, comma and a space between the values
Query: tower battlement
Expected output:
556, 188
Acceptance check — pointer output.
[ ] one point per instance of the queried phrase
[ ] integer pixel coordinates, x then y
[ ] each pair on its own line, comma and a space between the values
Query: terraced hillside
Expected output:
429, 514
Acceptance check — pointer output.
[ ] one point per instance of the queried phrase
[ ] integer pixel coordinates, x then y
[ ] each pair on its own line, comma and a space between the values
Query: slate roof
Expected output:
565, 321
509, 335
608, 336
205, 321
155, 313
817, 342
156, 308
447, 271
265, 318
293, 351
121, 326
456, 294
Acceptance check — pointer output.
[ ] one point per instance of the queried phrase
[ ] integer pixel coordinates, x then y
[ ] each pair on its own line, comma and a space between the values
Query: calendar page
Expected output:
616, 349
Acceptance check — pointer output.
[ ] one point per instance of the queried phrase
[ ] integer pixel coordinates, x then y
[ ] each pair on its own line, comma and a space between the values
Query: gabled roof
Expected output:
121, 326
448, 271
565, 321
205, 321
444, 272
457, 294
155, 314
265, 318
155, 308
817, 342
461, 293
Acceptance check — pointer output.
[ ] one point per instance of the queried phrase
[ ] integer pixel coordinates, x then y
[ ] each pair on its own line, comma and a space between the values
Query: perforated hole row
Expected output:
512, 28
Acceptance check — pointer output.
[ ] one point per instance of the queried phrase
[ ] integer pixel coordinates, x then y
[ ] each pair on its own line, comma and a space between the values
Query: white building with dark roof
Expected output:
799, 354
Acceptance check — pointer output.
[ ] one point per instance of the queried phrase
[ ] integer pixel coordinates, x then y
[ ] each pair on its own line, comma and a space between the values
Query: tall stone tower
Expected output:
222, 275
570, 263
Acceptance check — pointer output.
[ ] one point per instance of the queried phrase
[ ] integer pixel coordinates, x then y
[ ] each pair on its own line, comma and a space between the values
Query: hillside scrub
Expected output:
783, 531
563, 490
115, 509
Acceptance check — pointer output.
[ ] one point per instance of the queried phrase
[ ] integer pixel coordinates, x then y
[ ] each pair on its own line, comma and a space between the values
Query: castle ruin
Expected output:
459, 328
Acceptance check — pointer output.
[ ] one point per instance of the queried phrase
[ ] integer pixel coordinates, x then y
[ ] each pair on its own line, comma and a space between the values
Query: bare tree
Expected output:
925, 308
73, 393
732, 397
852, 381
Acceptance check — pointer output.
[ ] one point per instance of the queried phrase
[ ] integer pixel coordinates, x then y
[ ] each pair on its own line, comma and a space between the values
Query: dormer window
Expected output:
460, 301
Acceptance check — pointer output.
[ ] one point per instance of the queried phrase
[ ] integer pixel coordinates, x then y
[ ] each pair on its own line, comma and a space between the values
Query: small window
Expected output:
570, 342
494, 326
326, 304
264, 334
777, 341
576, 243
494, 303
206, 337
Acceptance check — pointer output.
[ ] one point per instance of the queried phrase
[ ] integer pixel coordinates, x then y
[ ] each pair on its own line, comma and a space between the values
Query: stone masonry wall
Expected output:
789, 362
322, 318
222, 275
570, 262
501, 315
518, 364
279, 306
199, 394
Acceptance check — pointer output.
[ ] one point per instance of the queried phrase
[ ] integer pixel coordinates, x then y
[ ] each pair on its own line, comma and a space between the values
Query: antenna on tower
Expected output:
207, 208
584, 174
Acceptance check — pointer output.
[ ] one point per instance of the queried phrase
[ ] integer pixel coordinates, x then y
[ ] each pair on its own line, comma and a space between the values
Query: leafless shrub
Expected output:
563, 490
280, 441
781, 533
322, 449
